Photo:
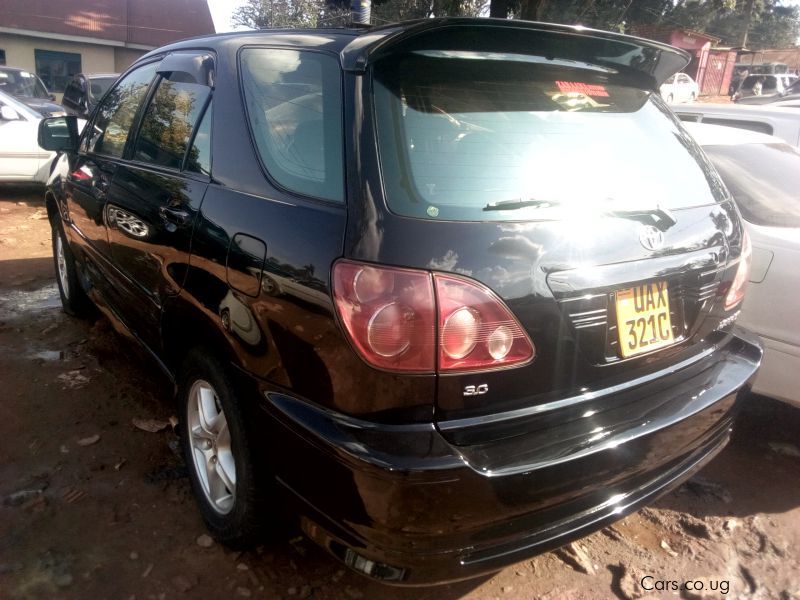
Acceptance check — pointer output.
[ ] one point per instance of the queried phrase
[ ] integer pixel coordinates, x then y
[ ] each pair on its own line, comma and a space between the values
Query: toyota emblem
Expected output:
651, 238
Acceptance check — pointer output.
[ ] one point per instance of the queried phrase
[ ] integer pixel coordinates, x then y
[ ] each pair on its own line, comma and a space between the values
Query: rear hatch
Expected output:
543, 165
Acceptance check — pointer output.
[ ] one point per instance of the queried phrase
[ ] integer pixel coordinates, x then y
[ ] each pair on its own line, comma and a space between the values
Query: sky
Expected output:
221, 11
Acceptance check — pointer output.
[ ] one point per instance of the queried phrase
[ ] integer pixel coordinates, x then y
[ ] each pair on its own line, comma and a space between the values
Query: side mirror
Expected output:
53, 97
9, 114
59, 134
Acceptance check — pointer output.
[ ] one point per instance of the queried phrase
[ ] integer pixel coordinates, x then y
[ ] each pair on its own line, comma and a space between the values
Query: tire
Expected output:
217, 450
74, 300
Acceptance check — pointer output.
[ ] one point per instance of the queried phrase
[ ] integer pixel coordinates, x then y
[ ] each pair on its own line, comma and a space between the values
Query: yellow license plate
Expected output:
643, 319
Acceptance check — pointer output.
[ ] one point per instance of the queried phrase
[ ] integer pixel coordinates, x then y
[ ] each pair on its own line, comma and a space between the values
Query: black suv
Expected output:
84, 92
459, 290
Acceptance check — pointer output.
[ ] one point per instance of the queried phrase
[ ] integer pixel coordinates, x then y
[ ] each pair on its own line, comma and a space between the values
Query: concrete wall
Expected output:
19, 53
124, 58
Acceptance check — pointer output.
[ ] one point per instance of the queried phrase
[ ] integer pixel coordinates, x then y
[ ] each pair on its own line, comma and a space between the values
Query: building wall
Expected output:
20, 53
124, 58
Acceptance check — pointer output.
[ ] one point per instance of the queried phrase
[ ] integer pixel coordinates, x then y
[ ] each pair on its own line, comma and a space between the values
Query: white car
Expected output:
763, 174
679, 88
21, 158
782, 122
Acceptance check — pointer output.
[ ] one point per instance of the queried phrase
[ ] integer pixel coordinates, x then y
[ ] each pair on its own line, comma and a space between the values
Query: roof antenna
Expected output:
361, 13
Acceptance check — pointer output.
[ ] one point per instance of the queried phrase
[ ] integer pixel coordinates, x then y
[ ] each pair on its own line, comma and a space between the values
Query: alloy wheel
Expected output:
61, 262
210, 441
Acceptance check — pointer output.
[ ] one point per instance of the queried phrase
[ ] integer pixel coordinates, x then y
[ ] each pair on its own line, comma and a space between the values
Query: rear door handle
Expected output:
175, 216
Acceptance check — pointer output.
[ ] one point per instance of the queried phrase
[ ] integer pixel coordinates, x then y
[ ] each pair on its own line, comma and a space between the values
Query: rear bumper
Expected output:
399, 503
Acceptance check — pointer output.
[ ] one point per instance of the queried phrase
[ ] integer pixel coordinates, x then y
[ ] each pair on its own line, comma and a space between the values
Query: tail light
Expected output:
476, 329
389, 315
736, 291
410, 320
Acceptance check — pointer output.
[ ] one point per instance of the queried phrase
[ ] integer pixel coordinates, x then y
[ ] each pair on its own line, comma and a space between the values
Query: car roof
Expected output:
719, 135
358, 47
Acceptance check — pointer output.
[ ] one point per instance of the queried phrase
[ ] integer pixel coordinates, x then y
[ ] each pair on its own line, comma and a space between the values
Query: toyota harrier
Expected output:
458, 291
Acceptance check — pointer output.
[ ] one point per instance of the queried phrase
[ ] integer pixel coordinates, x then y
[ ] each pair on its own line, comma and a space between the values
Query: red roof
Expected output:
146, 22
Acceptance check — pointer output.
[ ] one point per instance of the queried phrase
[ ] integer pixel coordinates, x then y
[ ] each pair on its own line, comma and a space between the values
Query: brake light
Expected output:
398, 318
82, 174
736, 291
389, 315
476, 329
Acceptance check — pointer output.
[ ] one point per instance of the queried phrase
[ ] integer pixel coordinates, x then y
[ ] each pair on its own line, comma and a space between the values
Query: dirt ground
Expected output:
93, 507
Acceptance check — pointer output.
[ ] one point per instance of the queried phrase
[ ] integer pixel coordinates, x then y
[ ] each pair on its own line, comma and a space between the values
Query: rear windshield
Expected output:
482, 136
99, 86
764, 180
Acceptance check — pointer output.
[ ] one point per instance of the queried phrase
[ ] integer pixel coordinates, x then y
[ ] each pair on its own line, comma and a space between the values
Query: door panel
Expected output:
20, 155
154, 199
150, 216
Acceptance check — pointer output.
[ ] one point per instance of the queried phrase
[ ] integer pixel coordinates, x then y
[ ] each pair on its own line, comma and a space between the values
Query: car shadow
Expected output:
756, 473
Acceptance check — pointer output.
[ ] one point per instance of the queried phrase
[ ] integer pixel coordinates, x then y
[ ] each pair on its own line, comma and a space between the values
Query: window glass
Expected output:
22, 84
294, 105
99, 86
476, 136
56, 68
168, 122
72, 94
764, 180
116, 114
199, 158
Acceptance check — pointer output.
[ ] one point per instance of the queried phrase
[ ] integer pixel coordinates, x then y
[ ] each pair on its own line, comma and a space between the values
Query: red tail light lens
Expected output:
477, 331
736, 292
390, 316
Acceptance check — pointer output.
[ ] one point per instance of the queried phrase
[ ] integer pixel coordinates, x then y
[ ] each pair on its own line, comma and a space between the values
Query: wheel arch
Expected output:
185, 327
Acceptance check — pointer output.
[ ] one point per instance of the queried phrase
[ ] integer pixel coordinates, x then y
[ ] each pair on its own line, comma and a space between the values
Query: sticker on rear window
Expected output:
590, 89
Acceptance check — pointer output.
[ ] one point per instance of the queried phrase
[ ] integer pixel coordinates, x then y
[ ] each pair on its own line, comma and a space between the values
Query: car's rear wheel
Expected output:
73, 298
217, 451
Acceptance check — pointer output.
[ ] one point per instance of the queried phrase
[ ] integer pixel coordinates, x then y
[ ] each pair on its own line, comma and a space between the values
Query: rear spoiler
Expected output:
645, 63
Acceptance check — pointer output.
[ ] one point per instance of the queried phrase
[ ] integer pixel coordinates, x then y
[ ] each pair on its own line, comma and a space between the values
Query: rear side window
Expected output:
199, 158
472, 136
116, 114
764, 180
294, 106
169, 121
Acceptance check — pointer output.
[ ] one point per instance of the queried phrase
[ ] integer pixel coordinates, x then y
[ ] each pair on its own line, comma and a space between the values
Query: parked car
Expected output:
84, 92
679, 88
522, 279
792, 92
763, 174
21, 158
762, 89
782, 122
29, 89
